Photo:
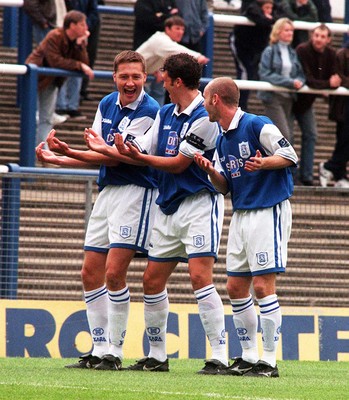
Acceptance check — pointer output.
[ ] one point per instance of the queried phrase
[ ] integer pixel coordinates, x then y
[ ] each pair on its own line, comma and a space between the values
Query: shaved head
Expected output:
226, 89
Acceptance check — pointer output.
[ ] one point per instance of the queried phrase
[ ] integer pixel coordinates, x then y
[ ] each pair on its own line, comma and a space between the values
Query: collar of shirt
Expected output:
195, 103
235, 121
133, 105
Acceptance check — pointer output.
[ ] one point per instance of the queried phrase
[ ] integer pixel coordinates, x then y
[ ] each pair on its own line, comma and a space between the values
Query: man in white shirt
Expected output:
161, 45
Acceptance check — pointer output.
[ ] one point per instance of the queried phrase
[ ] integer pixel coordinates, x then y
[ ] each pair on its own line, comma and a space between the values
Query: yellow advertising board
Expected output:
59, 329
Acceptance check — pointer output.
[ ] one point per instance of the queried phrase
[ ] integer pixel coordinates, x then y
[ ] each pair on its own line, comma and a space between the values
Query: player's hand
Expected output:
45, 155
55, 144
94, 141
126, 149
254, 163
204, 163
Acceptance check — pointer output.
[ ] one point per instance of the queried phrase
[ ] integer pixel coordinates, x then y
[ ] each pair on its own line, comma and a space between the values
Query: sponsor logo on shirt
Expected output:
106, 120
234, 166
172, 144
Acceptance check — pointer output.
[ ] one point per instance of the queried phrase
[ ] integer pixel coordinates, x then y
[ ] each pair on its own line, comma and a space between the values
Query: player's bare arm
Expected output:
86, 157
218, 180
272, 162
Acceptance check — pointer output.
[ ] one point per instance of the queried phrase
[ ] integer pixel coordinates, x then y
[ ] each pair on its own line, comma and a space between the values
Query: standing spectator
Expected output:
195, 15
62, 48
43, 16
318, 60
252, 163
324, 10
161, 45
150, 17
248, 42
188, 221
68, 100
335, 168
300, 10
46, 15
122, 215
280, 66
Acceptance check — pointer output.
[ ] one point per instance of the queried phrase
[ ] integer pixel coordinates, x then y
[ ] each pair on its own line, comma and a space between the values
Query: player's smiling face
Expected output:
129, 80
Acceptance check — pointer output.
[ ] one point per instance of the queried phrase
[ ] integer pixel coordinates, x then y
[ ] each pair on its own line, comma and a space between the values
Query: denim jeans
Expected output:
307, 125
69, 94
46, 106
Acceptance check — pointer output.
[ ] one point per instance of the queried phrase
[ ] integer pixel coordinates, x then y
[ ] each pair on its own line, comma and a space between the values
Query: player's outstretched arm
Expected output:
272, 162
218, 180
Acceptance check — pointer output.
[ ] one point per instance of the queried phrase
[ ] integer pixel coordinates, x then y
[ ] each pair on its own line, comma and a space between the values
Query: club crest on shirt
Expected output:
198, 240
124, 124
262, 258
184, 130
244, 150
125, 231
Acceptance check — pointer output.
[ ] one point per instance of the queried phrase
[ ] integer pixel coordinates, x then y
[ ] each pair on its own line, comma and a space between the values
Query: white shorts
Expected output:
122, 216
258, 239
194, 230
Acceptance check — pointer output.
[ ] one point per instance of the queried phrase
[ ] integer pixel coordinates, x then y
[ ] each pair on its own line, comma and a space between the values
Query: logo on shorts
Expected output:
125, 231
262, 258
199, 240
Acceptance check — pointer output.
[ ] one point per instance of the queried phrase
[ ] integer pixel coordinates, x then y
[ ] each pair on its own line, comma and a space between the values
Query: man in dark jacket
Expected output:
150, 16
62, 48
318, 62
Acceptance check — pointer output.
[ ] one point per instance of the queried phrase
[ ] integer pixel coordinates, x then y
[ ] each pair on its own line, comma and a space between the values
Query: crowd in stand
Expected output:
256, 54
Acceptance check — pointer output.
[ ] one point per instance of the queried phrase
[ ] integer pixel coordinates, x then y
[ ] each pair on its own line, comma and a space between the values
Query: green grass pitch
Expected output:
47, 379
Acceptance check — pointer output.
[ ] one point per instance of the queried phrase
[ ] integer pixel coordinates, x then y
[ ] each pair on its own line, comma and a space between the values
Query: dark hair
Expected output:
175, 20
323, 27
183, 66
73, 17
128, 56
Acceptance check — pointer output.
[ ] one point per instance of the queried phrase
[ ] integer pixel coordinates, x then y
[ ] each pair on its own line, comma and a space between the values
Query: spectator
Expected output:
68, 100
46, 15
161, 45
252, 161
280, 66
248, 42
195, 15
150, 17
43, 15
121, 218
300, 10
318, 60
335, 168
62, 48
324, 10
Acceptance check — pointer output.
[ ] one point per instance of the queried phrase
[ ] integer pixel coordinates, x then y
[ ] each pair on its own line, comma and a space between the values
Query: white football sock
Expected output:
212, 318
119, 308
270, 315
97, 317
246, 323
156, 309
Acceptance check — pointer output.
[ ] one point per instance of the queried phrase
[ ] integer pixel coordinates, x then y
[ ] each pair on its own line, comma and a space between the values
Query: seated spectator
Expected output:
335, 168
62, 48
300, 10
248, 42
280, 66
150, 17
161, 45
318, 61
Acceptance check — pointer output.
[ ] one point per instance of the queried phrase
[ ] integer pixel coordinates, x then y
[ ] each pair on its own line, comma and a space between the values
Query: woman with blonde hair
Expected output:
280, 66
